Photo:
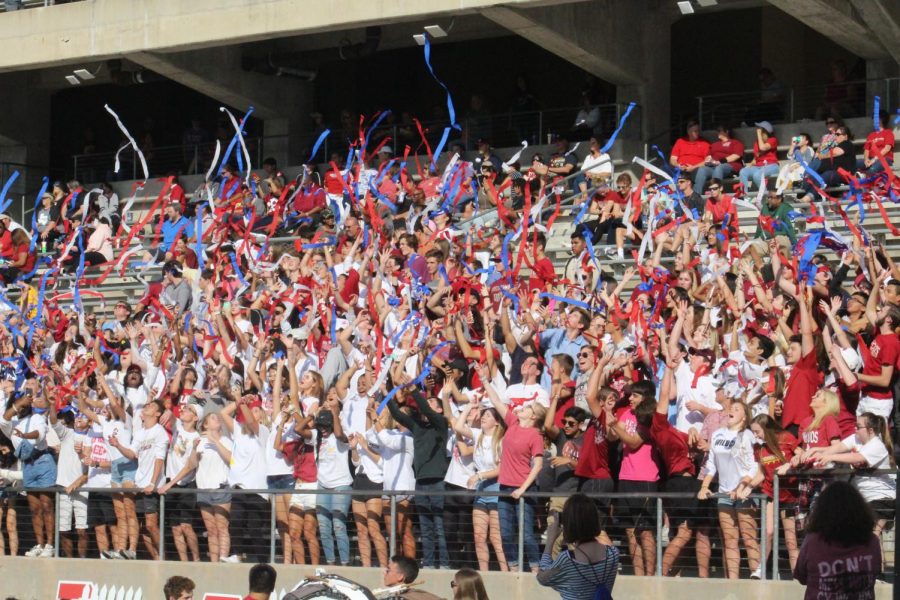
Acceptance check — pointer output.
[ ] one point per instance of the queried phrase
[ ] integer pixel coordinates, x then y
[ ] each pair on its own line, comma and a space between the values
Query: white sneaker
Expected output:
234, 558
757, 574
128, 554
47, 552
36, 551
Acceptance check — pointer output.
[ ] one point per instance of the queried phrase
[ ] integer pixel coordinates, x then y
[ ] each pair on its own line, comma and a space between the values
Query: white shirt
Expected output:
731, 457
179, 452
878, 486
397, 457
704, 394
99, 477
484, 457
333, 464
114, 428
150, 445
212, 471
248, 459
597, 167
521, 394
69, 466
276, 463
461, 467
28, 424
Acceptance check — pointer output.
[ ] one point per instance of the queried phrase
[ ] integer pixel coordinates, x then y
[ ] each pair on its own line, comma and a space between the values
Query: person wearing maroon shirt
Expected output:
879, 361
593, 460
725, 158
765, 162
673, 449
690, 152
778, 446
805, 378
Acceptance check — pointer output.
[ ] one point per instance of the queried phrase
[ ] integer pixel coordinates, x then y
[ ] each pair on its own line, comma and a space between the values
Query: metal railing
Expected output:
13, 5
813, 101
260, 534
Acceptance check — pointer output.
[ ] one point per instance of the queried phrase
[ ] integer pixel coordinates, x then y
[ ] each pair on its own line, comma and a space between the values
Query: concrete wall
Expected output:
36, 579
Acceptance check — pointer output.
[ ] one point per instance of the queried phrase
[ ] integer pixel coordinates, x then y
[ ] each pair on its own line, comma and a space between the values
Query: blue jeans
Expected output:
702, 174
509, 525
331, 513
756, 175
430, 514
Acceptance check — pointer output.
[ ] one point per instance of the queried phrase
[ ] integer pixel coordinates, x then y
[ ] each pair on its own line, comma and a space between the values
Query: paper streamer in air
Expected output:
239, 135
134, 145
450, 110
612, 139
6, 186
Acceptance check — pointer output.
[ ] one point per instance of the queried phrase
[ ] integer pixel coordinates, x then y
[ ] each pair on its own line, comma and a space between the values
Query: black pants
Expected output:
458, 528
250, 527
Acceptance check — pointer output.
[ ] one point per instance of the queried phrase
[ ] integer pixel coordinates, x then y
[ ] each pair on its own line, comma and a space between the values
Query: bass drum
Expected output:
329, 587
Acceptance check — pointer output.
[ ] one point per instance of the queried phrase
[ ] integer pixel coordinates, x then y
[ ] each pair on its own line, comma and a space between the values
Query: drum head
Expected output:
329, 587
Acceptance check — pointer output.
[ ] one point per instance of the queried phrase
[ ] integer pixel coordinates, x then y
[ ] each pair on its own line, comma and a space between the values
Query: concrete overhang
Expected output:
99, 29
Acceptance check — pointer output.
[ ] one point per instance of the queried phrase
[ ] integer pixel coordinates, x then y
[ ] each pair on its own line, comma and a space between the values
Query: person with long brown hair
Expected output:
468, 585
488, 438
731, 458
777, 447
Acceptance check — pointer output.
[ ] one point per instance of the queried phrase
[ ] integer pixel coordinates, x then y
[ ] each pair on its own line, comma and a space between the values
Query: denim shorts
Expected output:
123, 469
280, 482
487, 502
736, 504
39, 474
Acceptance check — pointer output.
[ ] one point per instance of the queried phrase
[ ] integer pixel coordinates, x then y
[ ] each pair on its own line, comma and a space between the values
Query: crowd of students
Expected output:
388, 373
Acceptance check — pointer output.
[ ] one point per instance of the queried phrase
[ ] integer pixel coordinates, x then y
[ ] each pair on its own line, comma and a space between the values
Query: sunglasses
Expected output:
584, 355
715, 188
570, 423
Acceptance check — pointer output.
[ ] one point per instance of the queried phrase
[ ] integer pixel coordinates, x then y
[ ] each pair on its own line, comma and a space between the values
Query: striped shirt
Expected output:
576, 580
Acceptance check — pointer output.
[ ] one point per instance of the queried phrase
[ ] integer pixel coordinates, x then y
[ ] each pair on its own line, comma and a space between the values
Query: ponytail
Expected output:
879, 426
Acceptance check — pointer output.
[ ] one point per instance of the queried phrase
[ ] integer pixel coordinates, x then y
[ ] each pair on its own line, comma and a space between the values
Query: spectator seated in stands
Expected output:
765, 162
725, 158
840, 156
879, 145
689, 153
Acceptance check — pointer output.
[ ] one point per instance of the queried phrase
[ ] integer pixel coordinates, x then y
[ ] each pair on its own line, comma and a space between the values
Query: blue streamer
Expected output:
875, 110
440, 146
6, 186
333, 324
450, 110
426, 370
565, 300
318, 143
612, 138
237, 268
233, 142
372, 128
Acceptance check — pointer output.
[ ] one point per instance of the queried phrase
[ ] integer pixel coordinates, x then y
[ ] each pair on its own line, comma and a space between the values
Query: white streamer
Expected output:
131, 140
514, 158
237, 129
215, 160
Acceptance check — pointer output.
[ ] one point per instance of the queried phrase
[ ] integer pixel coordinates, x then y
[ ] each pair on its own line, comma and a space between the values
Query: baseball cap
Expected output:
765, 125
386, 150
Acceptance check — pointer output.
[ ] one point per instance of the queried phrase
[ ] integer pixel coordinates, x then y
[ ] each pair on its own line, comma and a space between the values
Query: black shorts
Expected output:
883, 509
598, 490
685, 508
100, 510
181, 507
362, 483
640, 510
146, 504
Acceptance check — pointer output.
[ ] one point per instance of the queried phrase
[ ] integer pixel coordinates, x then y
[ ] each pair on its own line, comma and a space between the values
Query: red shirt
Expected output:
821, 436
334, 183
309, 198
768, 157
6, 247
30, 258
521, 446
720, 208
804, 380
672, 446
769, 462
878, 141
542, 275
430, 185
690, 153
593, 461
882, 352
176, 194
719, 150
